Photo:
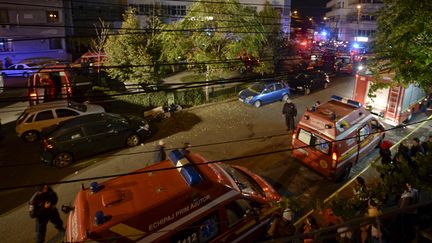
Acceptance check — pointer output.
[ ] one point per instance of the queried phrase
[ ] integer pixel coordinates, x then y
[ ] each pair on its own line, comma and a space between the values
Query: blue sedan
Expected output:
265, 92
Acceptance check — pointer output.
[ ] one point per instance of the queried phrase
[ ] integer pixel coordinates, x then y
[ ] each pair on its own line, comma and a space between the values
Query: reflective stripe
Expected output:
361, 150
169, 228
127, 231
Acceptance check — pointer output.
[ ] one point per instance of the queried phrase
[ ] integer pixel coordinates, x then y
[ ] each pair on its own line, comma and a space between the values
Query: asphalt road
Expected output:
217, 131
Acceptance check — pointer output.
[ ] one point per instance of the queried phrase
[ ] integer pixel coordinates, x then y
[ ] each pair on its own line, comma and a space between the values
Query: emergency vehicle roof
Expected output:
334, 118
147, 202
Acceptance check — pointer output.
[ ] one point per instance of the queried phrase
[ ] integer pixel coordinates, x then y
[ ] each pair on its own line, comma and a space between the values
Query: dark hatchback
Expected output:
306, 82
91, 134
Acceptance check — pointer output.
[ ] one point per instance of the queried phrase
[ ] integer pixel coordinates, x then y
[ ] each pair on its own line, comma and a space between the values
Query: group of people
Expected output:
407, 151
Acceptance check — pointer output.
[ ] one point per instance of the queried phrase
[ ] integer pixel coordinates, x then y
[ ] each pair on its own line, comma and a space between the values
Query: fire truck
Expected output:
183, 199
395, 103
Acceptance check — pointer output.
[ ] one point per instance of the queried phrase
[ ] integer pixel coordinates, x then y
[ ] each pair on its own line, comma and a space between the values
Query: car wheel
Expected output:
132, 140
25, 75
307, 91
325, 85
62, 159
257, 104
285, 97
30, 136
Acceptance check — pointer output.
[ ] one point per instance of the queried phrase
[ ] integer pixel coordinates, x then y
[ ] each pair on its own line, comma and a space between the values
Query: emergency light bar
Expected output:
346, 101
189, 173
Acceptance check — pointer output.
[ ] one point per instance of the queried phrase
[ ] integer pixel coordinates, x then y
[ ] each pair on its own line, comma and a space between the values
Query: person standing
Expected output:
427, 145
8, 62
290, 112
160, 154
416, 148
386, 156
42, 208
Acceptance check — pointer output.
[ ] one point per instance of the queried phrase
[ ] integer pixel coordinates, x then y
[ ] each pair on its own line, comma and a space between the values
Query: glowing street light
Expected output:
295, 12
325, 18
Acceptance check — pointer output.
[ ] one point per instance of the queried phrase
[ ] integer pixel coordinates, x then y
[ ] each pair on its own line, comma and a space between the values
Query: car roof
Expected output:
47, 105
82, 120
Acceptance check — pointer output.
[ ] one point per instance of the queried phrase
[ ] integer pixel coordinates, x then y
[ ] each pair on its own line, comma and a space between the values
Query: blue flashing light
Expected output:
323, 33
356, 45
99, 218
94, 187
346, 101
189, 172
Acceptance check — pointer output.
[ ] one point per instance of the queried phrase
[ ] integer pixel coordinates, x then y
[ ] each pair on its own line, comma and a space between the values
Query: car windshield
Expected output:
115, 118
257, 87
22, 117
77, 106
243, 180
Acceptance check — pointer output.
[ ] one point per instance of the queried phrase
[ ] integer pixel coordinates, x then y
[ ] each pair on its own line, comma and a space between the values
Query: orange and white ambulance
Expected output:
334, 136
183, 199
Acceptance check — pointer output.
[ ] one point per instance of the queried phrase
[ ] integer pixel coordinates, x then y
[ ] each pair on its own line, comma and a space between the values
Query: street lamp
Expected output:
358, 20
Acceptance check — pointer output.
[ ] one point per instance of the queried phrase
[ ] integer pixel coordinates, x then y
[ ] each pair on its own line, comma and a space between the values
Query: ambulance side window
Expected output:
203, 230
237, 210
364, 132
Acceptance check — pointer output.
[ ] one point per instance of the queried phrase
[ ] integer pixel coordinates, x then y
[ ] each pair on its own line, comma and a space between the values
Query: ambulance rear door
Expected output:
316, 150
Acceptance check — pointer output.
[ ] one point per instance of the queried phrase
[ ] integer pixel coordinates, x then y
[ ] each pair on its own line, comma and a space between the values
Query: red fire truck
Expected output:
183, 199
396, 104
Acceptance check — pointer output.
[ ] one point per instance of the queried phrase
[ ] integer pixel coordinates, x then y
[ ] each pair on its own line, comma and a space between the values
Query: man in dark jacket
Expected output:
42, 207
160, 154
290, 112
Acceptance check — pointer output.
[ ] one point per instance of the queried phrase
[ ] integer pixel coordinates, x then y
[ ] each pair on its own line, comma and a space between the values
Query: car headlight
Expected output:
249, 98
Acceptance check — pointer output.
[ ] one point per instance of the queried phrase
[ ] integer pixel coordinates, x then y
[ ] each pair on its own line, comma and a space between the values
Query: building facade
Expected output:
33, 28
176, 10
352, 20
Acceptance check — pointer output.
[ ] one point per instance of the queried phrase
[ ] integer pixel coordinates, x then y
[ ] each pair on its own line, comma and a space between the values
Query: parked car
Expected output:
21, 69
306, 82
91, 134
31, 122
265, 92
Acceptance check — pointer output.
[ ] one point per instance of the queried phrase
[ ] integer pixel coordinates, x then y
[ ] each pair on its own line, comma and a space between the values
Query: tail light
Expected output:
334, 160
46, 144
33, 95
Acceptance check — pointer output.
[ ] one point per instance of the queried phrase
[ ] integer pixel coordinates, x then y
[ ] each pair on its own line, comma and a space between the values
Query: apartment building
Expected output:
176, 10
352, 20
33, 28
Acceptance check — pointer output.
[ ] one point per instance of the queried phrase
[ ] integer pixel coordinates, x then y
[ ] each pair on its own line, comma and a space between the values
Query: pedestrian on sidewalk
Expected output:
160, 154
408, 219
359, 189
386, 156
290, 112
42, 207
427, 145
416, 148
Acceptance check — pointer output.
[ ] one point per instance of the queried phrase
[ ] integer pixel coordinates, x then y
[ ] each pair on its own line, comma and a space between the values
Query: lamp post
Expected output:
358, 20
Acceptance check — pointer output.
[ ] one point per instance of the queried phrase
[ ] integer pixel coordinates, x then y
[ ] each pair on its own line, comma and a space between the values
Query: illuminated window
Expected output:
52, 16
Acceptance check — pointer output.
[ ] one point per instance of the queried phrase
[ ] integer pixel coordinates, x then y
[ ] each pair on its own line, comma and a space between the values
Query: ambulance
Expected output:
334, 136
183, 199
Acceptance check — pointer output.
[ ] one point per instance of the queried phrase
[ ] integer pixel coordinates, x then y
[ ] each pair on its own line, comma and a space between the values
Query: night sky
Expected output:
309, 8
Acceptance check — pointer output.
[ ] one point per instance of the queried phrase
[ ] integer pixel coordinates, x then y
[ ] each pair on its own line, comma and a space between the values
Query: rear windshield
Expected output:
77, 106
243, 180
314, 141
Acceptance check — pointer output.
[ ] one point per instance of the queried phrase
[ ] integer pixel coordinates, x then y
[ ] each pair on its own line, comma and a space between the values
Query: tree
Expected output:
126, 53
270, 19
102, 30
403, 42
212, 35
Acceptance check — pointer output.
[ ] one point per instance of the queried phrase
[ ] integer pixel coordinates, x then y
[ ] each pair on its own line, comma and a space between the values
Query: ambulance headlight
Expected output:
249, 98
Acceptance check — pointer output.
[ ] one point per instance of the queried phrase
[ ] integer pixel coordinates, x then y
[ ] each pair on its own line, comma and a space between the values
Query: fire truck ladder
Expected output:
393, 101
